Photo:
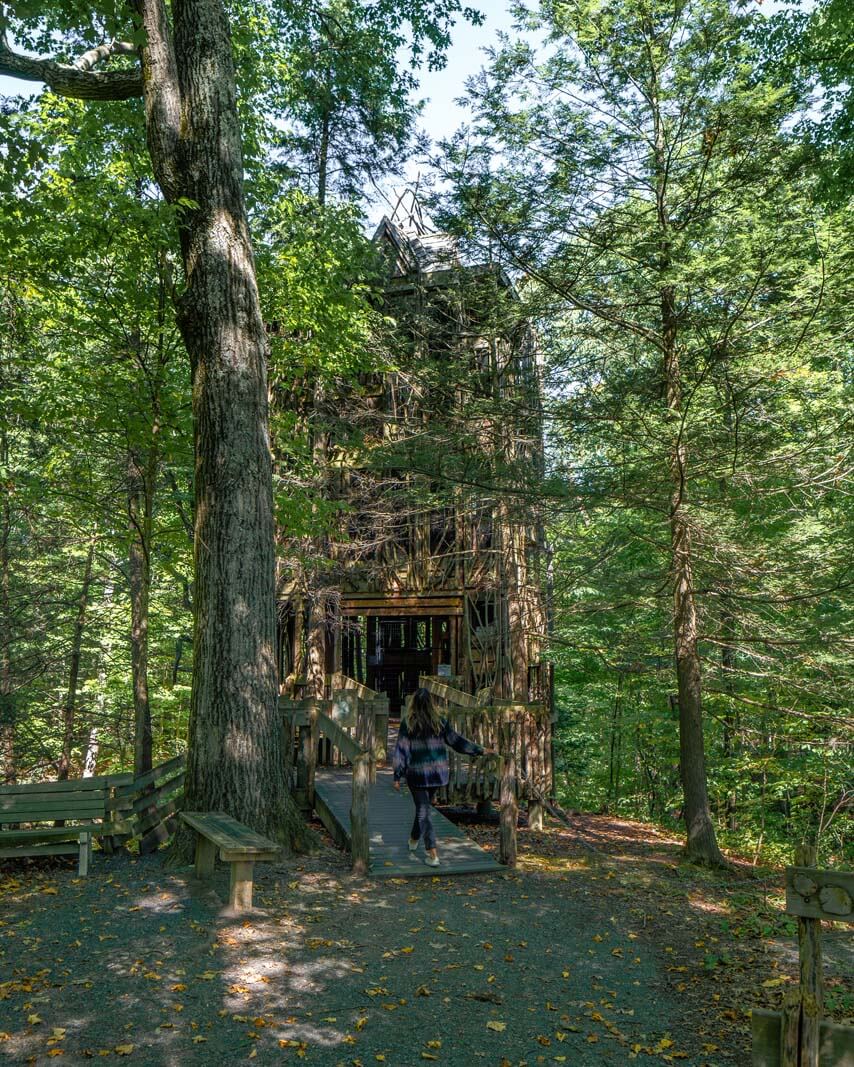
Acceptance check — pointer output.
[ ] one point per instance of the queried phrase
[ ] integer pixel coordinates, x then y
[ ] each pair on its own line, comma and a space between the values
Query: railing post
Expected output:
509, 805
304, 766
380, 710
809, 951
365, 735
359, 836
311, 755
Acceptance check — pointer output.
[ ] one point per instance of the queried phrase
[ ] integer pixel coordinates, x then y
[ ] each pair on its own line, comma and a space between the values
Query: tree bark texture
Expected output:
140, 502
235, 761
8, 772
702, 844
69, 705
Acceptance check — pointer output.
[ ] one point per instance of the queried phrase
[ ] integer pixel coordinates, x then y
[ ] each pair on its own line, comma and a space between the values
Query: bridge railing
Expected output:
509, 727
310, 724
521, 734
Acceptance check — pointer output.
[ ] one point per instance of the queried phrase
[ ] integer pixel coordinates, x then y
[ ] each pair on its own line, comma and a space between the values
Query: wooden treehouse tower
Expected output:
434, 569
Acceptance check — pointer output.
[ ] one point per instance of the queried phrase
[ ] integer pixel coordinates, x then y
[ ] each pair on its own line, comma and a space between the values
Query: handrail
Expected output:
312, 723
468, 704
345, 744
344, 681
447, 692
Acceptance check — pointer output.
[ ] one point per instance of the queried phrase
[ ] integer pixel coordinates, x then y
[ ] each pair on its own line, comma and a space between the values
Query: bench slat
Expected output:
35, 802
62, 848
48, 817
71, 785
228, 834
45, 833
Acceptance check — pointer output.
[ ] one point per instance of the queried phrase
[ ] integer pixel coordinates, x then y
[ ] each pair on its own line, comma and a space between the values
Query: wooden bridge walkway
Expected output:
390, 816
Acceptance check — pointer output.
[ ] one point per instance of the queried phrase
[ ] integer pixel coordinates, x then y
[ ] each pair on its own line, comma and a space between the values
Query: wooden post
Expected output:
359, 835
812, 992
536, 812
790, 1029
509, 805
240, 890
287, 747
364, 733
84, 842
205, 857
313, 742
303, 759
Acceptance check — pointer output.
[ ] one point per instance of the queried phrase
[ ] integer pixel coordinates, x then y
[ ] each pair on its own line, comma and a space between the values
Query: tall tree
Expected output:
188, 84
636, 174
186, 77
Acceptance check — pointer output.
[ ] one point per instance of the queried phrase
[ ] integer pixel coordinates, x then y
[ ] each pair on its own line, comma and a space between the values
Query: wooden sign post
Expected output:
799, 1037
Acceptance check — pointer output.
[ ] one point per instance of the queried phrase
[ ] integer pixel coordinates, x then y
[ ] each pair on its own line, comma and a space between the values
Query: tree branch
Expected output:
64, 80
103, 51
163, 105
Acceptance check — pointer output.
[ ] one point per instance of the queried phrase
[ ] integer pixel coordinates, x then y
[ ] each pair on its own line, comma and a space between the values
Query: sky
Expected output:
464, 58
441, 115
440, 89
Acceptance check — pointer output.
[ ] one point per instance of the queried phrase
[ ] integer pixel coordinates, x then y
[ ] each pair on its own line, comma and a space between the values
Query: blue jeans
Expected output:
423, 824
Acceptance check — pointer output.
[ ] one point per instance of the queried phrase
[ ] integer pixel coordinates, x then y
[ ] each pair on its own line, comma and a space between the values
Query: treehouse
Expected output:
433, 569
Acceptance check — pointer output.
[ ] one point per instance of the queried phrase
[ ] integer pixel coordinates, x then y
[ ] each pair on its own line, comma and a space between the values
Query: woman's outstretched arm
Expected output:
461, 744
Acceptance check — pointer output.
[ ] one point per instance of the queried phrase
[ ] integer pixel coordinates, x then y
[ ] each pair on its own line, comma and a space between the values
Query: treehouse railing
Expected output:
310, 728
520, 730
358, 715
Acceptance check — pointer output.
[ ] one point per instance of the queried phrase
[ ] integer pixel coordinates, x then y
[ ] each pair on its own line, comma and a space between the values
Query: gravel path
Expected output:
553, 964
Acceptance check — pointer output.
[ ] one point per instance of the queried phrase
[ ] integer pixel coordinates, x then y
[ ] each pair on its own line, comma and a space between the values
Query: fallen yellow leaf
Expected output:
495, 1025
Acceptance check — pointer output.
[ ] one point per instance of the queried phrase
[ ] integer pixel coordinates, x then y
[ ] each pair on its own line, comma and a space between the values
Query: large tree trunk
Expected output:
140, 501
235, 760
69, 706
702, 844
8, 772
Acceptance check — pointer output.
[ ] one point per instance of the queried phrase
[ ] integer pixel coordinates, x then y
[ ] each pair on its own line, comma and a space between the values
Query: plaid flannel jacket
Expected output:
423, 761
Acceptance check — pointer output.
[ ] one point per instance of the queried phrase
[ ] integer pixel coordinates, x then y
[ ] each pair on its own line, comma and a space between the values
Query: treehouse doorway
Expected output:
400, 648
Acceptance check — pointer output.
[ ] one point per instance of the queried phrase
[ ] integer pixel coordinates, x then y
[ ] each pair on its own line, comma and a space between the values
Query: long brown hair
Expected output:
422, 718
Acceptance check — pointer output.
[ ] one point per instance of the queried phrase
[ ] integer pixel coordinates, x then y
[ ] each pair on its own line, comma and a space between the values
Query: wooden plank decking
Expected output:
389, 821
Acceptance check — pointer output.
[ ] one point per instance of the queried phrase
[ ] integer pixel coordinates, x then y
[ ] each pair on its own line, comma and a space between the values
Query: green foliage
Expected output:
812, 45
640, 155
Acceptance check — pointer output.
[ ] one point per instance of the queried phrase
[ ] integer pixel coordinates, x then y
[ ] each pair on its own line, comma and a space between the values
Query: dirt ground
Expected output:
577, 957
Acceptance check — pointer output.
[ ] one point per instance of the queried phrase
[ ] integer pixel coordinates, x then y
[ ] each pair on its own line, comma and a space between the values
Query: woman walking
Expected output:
421, 758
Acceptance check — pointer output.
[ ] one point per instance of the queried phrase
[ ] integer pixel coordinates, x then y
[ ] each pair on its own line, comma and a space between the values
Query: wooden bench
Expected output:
237, 844
85, 805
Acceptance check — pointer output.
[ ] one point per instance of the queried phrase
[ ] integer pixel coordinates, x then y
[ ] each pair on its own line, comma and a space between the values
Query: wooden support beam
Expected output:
812, 979
509, 805
311, 754
836, 1049
240, 887
85, 856
536, 815
205, 857
359, 834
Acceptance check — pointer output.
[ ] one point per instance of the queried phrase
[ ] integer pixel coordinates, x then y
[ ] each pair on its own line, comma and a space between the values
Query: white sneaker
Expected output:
431, 861
413, 845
